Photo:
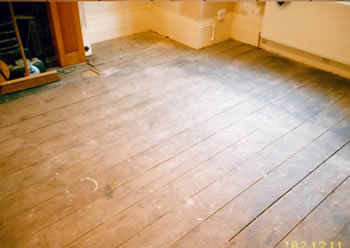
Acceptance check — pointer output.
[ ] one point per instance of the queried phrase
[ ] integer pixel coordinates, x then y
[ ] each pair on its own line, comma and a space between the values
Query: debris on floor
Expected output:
91, 73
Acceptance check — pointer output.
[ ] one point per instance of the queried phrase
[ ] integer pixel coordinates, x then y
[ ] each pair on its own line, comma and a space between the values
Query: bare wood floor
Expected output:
229, 146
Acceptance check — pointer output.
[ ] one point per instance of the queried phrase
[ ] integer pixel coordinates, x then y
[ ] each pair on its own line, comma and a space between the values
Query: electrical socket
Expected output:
221, 14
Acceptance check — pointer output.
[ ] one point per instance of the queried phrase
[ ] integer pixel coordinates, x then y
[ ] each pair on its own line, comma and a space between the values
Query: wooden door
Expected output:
66, 32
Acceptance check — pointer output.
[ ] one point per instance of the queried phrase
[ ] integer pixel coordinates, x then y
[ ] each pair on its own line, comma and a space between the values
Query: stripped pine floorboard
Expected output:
29, 140
171, 147
263, 137
23, 195
101, 94
22, 180
329, 219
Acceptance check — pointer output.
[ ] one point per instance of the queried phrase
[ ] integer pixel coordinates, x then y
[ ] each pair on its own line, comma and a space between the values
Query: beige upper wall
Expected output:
210, 9
187, 9
196, 10
192, 23
247, 21
108, 20
249, 8
97, 8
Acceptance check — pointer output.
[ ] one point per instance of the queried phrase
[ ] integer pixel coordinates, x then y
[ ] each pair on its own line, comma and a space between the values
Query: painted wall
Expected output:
177, 20
247, 21
213, 30
109, 20
192, 23
195, 24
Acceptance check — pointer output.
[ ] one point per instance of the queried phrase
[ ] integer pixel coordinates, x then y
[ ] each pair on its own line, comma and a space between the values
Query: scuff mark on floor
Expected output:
91, 180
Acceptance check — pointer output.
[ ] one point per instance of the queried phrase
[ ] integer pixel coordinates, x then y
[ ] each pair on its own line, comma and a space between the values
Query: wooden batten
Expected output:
28, 82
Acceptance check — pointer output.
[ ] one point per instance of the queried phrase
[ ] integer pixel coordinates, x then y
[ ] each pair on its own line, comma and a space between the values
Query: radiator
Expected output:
319, 28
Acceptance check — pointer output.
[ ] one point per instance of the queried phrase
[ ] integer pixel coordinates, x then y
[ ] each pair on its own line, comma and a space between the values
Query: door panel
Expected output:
66, 32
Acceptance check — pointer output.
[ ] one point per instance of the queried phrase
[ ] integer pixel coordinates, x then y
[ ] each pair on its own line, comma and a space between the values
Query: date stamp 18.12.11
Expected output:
313, 244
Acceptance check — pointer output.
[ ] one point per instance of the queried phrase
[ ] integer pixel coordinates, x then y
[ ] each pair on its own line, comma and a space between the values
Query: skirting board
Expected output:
307, 58
28, 82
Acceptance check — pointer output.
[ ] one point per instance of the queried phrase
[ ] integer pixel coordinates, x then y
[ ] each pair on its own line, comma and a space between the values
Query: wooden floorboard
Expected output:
263, 137
172, 147
272, 183
329, 220
32, 178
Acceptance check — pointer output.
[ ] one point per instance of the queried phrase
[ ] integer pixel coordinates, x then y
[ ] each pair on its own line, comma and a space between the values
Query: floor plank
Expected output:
101, 92
295, 205
123, 227
233, 217
328, 222
26, 172
176, 147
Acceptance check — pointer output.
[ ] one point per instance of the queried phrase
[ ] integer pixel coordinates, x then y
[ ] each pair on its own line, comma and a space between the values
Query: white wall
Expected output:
179, 23
247, 21
109, 20
191, 23
213, 30
195, 24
